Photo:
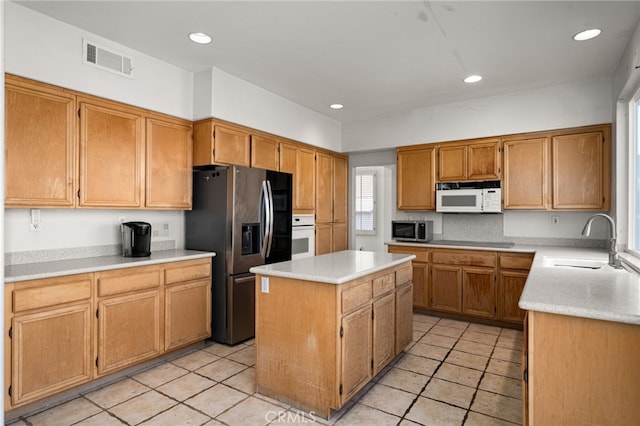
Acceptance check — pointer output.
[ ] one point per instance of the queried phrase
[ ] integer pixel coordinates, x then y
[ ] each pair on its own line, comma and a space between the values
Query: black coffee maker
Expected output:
136, 239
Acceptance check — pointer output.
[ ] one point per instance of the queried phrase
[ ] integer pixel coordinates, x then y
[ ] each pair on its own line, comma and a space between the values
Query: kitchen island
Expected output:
326, 325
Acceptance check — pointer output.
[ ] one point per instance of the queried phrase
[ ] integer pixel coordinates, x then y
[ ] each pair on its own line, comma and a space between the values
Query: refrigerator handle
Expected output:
271, 218
265, 219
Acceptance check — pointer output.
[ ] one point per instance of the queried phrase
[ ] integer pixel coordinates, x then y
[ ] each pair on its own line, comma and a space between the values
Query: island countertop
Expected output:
333, 268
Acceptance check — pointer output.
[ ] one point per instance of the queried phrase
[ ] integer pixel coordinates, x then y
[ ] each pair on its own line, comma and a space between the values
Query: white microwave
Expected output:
469, 197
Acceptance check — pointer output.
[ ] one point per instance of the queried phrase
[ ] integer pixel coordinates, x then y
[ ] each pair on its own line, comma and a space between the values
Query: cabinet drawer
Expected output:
464, 257
187, 271
128, 280
403, 276
52, 292
422, 255
356, 296
522, 261
383, 284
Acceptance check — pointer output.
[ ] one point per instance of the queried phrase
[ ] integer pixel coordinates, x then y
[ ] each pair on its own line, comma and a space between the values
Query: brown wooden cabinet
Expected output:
512, 275
216, 142
416, 178
420, 266
168, 163
324, 188
331, 203
111, 154
357, 328
464, 281
340, 189
339, 236
305, 195
472, 160
40, 145
265, 152
526, 173
50, 337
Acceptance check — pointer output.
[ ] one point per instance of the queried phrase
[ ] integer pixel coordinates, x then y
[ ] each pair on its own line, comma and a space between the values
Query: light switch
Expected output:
265, 284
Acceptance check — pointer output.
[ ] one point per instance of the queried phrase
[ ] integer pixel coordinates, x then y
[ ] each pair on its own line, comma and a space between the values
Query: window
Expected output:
366, 202
634, 175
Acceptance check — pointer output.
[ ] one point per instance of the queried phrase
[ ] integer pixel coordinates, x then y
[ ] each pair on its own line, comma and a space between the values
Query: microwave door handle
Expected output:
270, 217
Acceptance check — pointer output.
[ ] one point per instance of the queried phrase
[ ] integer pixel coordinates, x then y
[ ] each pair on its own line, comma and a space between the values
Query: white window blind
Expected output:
366, 202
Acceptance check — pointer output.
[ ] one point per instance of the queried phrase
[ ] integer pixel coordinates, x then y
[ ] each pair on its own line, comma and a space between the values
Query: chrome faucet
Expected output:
614, 260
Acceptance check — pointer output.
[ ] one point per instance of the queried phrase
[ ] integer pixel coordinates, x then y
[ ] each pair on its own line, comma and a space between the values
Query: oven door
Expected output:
459, 200
303, 241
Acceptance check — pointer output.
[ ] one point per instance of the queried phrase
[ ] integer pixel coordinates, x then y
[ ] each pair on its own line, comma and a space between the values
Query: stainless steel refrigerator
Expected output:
244, 215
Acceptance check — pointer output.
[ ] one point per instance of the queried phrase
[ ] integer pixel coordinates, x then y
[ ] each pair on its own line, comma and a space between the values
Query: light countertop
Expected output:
32, 271
333, 268
605, 293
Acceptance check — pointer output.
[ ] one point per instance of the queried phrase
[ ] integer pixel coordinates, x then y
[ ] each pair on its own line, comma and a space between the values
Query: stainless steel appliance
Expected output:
244, 215
412, 230
469, 197
136, 239
303, 236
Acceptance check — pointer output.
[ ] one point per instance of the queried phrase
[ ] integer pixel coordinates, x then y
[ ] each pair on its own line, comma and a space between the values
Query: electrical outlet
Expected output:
162, 230
555, 220
34, 222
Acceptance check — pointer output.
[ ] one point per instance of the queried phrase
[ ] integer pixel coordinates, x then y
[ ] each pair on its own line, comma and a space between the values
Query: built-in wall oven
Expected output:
303, 236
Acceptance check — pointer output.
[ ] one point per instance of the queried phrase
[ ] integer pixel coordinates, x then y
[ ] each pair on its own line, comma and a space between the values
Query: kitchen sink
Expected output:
574, 262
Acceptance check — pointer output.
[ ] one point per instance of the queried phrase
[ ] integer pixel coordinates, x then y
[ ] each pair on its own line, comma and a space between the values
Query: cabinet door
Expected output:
484, 160
340, 197
187, 313
305, 179
339, 237
577, 167
51, 351
526, 171
355, 369
324, 238
479, 292
420, 284
264, 152
231, 146
169, 164
128, 330
111, 156
384, 343
446, 288
404, 316
324, 188
40, 146
287, 163
416, 179
510, 285
452, 163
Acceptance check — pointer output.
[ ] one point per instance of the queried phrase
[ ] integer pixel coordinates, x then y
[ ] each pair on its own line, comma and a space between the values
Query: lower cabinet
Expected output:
512, 275
69, 330
339, 335
420, 272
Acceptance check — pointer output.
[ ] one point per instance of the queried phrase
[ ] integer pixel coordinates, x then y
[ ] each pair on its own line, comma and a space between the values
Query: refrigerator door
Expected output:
241, 308
282, 216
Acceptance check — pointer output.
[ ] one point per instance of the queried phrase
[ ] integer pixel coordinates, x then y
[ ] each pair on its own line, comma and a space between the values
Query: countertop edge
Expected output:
97, 264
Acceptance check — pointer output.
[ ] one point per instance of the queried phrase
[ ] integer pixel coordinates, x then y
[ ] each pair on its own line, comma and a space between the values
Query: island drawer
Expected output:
51, 292
356, 296
187, 271
403, 276
383, 284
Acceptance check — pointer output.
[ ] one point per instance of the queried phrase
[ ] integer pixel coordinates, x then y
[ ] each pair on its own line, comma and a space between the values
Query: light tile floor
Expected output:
453, 373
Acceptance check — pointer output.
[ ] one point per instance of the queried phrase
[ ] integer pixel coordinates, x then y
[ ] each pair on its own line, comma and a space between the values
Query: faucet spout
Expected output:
614, 260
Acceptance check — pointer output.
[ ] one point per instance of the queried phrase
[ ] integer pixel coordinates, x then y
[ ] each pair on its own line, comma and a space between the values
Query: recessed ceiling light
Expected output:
472, 79
200, 38
587, 34
336, 106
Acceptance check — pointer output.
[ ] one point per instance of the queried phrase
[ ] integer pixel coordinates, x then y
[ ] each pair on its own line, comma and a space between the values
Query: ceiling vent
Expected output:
106, 59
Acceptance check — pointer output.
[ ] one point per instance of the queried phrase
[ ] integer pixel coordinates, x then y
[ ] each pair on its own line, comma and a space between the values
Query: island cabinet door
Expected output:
356, 352
404, 316
383, 331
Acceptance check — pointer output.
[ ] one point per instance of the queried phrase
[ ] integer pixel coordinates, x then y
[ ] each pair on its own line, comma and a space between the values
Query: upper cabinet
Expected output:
324, 188
40, 145
567, 169
416, 178
66, 149
305, 195
220, 143
331, 203
264, 152
471, 160
111, 155
168, 163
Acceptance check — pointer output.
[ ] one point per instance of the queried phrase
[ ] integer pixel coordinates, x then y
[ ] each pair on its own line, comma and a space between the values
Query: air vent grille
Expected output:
107, 59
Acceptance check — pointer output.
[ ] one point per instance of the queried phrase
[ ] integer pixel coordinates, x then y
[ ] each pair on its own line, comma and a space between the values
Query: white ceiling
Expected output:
375, 57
